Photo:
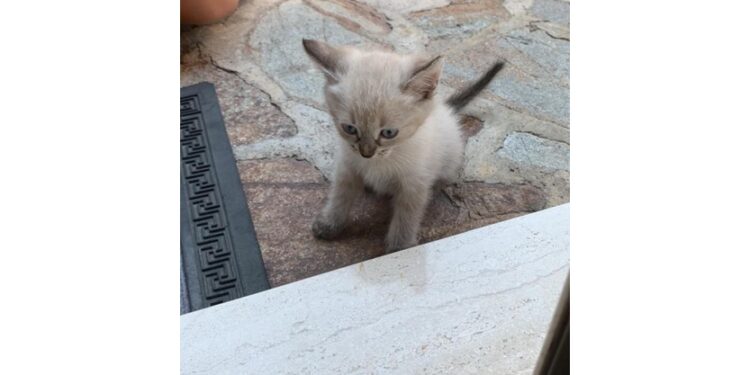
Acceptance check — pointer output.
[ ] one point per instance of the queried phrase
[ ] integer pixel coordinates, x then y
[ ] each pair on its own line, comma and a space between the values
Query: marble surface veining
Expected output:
476, 303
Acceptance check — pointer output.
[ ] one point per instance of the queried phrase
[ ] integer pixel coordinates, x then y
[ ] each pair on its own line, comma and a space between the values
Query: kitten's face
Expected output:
373, 122
378, 99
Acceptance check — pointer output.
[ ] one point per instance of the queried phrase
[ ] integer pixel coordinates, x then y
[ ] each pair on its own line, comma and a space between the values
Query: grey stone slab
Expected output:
551, 10
400, 6
454, 27
539, 97
532, 150
534, 80
278, 40
553, 55
478, 302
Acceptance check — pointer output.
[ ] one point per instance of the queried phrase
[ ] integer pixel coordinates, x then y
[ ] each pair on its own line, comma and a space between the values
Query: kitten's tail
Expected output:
461, 98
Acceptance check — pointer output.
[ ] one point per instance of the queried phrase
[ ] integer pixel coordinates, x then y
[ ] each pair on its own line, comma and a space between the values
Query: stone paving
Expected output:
517, 152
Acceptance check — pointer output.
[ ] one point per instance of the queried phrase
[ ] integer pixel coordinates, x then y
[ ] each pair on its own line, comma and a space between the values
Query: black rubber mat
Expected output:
221, 259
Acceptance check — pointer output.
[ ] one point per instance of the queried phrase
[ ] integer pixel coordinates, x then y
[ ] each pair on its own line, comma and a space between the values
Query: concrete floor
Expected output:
517, 153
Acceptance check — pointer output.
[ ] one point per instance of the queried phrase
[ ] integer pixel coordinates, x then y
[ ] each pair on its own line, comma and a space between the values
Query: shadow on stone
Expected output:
285, 195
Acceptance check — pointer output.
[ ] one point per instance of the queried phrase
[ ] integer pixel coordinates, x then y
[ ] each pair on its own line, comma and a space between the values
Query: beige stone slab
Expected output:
479, 302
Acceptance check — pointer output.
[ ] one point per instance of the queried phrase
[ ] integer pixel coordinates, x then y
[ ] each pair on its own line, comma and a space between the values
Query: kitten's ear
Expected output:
424, 79
328, 58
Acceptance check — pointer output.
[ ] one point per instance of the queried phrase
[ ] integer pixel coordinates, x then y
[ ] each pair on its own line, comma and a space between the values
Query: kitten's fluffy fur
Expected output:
376, 90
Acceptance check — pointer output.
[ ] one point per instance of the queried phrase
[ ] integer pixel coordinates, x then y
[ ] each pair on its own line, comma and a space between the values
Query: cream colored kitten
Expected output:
395, 137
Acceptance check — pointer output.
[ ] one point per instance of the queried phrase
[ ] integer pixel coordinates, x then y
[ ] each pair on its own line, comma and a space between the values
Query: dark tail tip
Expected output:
461, 98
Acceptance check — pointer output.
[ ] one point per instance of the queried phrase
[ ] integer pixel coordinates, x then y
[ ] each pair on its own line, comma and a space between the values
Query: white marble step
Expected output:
478, 302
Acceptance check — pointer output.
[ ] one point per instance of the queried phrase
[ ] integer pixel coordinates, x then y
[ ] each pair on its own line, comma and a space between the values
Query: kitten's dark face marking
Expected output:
367, 148
360, 141
371, 136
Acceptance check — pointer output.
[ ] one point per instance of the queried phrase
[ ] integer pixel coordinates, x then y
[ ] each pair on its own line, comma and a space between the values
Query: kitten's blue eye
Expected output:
388, 133
349, 129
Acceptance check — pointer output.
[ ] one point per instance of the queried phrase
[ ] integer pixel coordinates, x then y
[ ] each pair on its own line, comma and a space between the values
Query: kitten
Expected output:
396, 137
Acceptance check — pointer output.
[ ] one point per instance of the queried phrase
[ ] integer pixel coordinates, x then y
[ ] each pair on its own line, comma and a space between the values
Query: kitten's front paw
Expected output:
326, 230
